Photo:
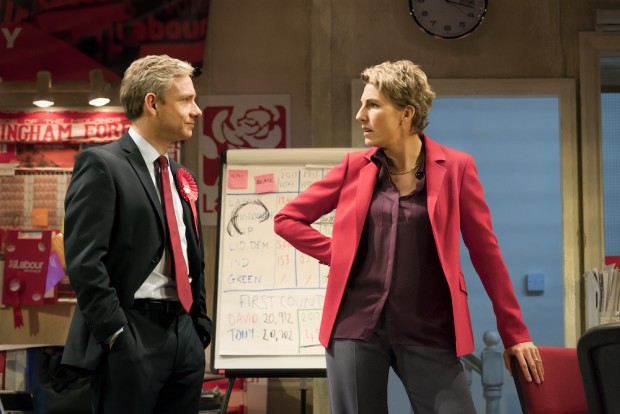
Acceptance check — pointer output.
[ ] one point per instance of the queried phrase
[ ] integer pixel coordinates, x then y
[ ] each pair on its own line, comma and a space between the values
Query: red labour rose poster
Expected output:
231, 122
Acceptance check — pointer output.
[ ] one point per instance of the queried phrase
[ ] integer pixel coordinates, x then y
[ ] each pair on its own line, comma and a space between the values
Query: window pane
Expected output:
610, 131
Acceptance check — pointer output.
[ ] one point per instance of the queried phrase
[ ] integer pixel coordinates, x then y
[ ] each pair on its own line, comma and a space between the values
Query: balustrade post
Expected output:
492, 372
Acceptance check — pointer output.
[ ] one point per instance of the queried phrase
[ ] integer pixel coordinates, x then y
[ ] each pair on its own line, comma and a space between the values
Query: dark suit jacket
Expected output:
114, 237
456, 206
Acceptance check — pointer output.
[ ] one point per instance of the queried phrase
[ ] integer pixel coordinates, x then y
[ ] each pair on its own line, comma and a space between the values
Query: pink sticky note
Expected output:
265, 183
238, 179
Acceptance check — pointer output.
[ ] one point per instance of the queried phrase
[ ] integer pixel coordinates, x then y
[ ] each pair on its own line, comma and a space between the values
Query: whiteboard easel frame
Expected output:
273, 366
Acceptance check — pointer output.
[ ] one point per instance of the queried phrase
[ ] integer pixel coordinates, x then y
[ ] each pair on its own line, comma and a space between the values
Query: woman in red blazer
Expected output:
396, 296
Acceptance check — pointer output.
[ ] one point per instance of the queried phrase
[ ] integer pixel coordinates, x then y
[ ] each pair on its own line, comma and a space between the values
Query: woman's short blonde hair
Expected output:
403, 83
152, 73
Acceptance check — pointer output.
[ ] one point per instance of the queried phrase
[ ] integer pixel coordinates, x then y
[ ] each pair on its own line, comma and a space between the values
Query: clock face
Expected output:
448, 19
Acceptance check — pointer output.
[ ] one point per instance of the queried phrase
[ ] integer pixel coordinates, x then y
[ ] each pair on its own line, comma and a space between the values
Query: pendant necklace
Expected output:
418, 174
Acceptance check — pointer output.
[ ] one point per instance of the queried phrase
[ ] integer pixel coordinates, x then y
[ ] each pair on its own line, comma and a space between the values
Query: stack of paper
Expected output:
602, 295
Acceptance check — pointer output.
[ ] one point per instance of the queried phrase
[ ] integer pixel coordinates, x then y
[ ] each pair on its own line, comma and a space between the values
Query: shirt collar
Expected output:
380, 159
149, 153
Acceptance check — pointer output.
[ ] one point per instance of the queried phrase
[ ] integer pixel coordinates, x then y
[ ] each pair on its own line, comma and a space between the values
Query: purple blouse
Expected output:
396, 278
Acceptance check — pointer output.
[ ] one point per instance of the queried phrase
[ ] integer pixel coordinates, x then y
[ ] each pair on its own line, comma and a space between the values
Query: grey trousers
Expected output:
357, 373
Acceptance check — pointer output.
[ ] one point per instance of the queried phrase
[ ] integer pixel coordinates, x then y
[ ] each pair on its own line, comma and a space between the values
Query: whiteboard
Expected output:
269, 296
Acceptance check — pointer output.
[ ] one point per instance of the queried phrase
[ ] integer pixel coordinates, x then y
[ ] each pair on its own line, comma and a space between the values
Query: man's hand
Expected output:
113, 339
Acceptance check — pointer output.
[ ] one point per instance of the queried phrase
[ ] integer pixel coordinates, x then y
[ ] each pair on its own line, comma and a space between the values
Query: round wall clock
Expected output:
448, 19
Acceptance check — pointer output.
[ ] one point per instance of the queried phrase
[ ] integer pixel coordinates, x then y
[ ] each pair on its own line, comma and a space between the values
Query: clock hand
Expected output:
466, 3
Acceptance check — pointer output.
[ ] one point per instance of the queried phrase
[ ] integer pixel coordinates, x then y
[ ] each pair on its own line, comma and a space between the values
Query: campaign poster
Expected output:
236, 121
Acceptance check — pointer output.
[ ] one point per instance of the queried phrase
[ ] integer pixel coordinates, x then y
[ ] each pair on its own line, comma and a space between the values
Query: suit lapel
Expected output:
174, 166
435, 172
193, 244
365, 188
187, 210
137, 163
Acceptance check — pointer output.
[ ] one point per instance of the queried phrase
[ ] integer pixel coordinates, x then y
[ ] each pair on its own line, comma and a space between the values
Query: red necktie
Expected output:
178, 262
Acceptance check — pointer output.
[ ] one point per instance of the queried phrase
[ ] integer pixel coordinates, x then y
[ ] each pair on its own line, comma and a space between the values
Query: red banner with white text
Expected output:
71, 37
49, 127
53, 138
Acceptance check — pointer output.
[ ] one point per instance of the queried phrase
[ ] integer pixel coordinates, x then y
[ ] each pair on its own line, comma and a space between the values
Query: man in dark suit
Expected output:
130, 246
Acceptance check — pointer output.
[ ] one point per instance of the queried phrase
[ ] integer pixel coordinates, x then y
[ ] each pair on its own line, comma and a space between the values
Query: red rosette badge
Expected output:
189, 191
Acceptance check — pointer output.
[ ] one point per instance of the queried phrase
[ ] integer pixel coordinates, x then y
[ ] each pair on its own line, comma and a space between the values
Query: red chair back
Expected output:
562, 390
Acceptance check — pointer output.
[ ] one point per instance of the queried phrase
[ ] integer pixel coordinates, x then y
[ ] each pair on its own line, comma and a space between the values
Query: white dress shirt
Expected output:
159, 284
